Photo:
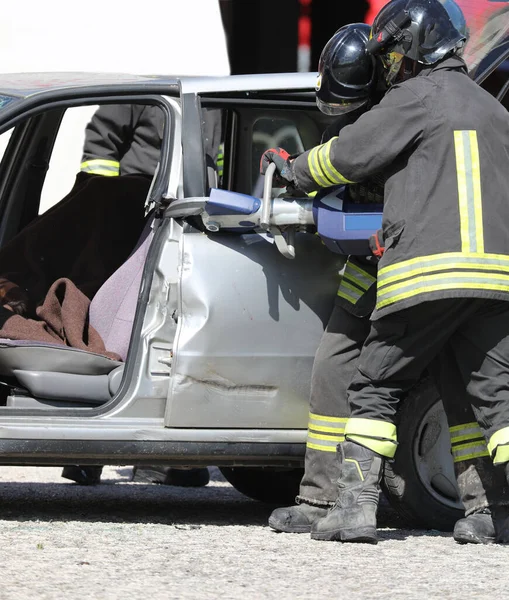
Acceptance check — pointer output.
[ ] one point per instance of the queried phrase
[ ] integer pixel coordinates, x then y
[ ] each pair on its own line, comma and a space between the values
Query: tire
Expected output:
420, 484
270, 485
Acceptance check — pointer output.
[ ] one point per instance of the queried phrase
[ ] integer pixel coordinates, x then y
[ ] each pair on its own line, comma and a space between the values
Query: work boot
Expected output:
353, 516
83, 475
484, 527
177, 476
477, 528
296, 519
484, 493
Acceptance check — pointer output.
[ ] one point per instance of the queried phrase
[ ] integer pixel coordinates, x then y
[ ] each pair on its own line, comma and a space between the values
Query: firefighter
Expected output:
402, 137
125, 139
122, 139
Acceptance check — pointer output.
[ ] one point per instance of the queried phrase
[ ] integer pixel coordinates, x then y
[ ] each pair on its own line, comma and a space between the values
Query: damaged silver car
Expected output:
210, 315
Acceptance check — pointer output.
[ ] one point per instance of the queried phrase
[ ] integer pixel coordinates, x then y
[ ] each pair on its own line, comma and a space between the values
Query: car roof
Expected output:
24, 85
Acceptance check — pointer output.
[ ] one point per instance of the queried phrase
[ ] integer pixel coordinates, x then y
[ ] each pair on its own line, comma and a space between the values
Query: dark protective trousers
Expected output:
400, 346
334, 367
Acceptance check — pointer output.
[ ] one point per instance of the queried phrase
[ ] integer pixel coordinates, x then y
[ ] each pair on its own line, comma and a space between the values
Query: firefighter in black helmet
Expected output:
481, 487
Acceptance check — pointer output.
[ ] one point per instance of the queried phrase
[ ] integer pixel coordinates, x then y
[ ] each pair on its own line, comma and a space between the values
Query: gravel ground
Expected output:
130, 540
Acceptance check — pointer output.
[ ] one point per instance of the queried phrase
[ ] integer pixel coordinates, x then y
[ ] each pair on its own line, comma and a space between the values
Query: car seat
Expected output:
60, 376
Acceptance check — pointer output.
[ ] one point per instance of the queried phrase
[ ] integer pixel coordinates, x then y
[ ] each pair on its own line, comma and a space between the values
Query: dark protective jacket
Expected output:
125, 139
442, 145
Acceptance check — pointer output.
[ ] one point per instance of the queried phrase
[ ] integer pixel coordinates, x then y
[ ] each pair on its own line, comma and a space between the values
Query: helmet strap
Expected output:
391, 34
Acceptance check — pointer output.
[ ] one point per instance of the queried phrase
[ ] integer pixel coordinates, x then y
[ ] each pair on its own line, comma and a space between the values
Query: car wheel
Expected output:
271, 485
420, 484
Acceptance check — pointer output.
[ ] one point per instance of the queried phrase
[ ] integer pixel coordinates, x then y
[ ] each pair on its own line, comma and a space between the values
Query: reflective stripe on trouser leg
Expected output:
334, 366
402, 345
498, 446
379, 436
482, 352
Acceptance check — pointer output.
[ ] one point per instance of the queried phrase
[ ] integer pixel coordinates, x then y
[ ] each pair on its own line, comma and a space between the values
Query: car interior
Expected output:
37, 233
78, 238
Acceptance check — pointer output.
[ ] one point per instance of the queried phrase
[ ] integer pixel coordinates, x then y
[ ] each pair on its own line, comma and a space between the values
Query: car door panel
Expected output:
248, 328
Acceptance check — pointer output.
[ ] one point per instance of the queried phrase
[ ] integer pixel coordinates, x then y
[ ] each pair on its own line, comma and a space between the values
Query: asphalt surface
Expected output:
130, 540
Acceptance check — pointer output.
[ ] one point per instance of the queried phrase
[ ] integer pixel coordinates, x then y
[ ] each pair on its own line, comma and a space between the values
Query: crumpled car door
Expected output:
249, 325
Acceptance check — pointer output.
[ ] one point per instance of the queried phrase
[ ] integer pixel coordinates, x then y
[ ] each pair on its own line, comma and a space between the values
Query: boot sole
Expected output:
280, 528
365, 535
473, 539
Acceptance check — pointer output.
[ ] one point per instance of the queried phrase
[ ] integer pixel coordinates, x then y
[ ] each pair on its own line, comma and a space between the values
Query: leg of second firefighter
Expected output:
399, 348
483, 490
333, 368
481, 347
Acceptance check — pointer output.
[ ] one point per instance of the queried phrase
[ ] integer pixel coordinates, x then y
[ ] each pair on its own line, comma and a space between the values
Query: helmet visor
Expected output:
392, 65
339, 108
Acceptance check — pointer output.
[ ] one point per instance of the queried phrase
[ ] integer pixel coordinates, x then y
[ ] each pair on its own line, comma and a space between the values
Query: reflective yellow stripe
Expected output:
462, 191
499, 438
469, 191
446, 260
329, 170
384, 448
464, 426
325, 428
220, 159
461, 438
356, 463
321, 448
476, 183
315, 169
325, 438
469, 451
501, 455
361, 278
99, 166
379, 436
371, 428
362, 284
473, 263
321, 168
344, 294
368, 276
467, 431
350, 289
335, 426
449, 281
317, 417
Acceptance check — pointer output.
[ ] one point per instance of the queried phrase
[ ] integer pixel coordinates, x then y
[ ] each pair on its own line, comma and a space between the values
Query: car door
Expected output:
249, 319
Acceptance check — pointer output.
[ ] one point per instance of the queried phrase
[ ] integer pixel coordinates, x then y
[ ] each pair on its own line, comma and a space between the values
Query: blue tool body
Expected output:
345, 227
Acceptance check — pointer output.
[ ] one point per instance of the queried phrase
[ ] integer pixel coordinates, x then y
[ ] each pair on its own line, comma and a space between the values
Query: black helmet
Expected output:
346, 73
424, 31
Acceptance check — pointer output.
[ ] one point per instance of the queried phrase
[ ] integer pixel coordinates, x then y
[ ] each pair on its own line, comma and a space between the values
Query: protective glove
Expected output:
376, 244
283, 176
